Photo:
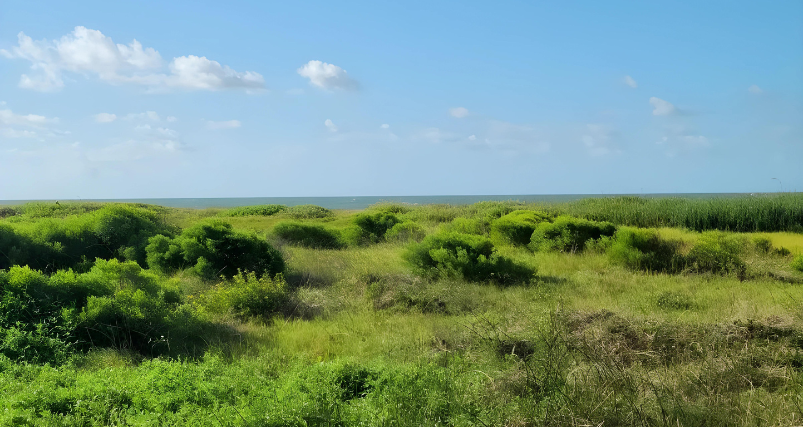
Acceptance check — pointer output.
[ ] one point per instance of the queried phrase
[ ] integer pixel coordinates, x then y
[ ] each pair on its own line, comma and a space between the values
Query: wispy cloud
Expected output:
330, 125
630, 82
661, 107
755, 90
105, 117
227, 124
90, 52
458, 112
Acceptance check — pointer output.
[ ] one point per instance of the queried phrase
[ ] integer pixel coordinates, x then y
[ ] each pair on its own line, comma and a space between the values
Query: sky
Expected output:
155, 99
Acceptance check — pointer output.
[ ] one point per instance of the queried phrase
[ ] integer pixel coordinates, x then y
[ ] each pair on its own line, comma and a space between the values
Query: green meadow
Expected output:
601, 312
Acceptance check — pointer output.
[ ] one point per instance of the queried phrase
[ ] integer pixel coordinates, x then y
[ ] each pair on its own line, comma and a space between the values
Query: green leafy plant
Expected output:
406, 231
309, 212
797, 263
373, 226
247, 296
257, 210
717, 252
470, 257
645, 249
308, 235
517, 227
568, 234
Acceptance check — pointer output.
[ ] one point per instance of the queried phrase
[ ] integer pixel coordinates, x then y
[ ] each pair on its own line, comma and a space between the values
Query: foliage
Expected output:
257, 210
645, 249
247, 296
797, 263
568, 234
309, 212
470, 257
308, 235
469, 226
517, 227
753, 213
406, 231
717, 252
212, 249
373, 226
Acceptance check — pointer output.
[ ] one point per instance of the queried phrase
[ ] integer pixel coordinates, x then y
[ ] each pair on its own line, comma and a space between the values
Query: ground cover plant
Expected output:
673, 312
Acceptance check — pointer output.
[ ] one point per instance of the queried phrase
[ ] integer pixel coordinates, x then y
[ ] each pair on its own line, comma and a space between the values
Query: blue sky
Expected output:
240, 99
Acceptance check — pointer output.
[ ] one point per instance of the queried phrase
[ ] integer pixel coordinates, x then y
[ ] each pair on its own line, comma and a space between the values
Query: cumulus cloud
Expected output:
330, 125
105, 117
327, 76
661, 107
755, 90
472, 137
147, 115
227, 124
630, 82
458, 112
14, 133
91, 53
385, 126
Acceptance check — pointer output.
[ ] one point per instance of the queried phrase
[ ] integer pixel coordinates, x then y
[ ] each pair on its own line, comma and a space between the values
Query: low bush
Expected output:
518, 226
246, 296
469, 226
568, 234
258, 210
212, 249
44, 319
309, 212
473, 258
645, 249
308, 235
797, 263
373, 226
717, 252
406, 231
762, 244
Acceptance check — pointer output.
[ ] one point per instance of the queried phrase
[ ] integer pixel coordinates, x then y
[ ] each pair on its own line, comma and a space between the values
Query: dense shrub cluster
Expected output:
645, 249
717, 252
258, 210
43, 319
568, 234
518, 226
372, 227
212, 249
465, 256
406, 231
115, 231
309, 212
247, 296
797, 263
314, 236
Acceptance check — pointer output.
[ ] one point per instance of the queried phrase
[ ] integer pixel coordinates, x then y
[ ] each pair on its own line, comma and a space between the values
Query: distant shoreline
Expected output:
362, 202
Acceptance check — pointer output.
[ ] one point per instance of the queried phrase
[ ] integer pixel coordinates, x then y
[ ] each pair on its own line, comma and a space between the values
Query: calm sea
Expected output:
362, 202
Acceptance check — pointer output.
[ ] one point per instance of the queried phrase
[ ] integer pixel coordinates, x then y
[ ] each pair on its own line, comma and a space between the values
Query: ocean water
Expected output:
362, 202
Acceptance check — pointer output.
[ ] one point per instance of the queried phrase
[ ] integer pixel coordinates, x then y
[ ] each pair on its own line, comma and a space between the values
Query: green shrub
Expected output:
797, 263
373, 226
671, 300
645, 249
308, 235
762, 244
470, 257
469, 226
389, 207
406, 231
309, 212
212, 249
717, 252
258, 210
517, 227
568, 234
247, 296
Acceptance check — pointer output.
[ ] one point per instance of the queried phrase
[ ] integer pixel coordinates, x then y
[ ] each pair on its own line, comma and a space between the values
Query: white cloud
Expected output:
661, 107
330, 125
472, 137
7, 117
458, 112
193, 72
105, 117
436, 136
14, 133
385, 126
148, 115
755, 90
227, 124
91, 53
630, 82
171, 118
327, 76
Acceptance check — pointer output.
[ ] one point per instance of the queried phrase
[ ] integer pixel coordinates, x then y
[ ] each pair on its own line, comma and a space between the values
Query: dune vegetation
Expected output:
609, 311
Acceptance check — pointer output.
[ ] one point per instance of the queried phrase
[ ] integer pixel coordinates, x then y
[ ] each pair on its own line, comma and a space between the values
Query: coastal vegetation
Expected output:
608, 311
